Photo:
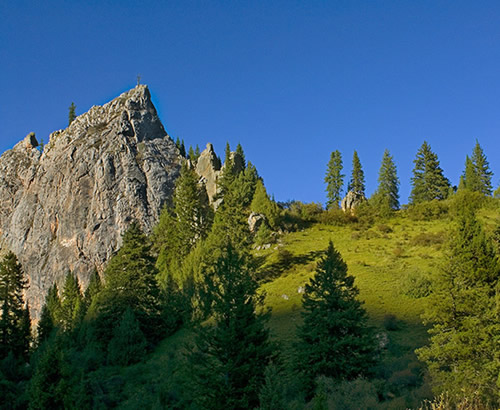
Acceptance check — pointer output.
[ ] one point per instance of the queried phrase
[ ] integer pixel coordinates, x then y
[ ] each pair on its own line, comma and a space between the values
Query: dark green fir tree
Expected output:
334, 180
428, 181
72, 113
335, 340
357, 182
128, 344
462, 356
477, 172
387, 194
130, 281
231, 354
15, 333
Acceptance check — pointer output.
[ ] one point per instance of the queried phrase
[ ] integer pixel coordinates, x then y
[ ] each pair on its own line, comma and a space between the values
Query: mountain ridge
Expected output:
65, 209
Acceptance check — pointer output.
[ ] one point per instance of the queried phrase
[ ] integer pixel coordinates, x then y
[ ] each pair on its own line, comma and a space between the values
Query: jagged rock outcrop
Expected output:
65, 209
255, 221
208, 168
351, 201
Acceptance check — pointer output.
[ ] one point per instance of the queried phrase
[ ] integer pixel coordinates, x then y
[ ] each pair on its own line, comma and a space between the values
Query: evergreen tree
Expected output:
239, 162
179, 229
231, 356
357, 182
45, 326
428, 180
477, 172
387, 194
128, 344
72, 114
45, 388
192, 210
182, 149
71, 303
262, 204
53, 303
334, 180
191, 154
130, 281
197, 153
94, 287
463, 355
13, 334
334, 338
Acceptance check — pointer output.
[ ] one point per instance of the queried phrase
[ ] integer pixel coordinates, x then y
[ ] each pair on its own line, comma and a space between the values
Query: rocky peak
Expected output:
208, 168
65, 209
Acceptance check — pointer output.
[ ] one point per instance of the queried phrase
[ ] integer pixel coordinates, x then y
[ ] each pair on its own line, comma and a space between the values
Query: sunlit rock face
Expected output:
65, 209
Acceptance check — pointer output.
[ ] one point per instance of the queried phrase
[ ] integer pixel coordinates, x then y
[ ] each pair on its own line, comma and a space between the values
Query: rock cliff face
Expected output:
65, 209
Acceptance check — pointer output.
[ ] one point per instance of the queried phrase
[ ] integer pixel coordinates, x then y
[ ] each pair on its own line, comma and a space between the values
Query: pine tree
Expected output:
387, 194
463, 355
180, 228
130, 281
53, 303
197, 153
191, 154
239, 160
71, 303
477, 172
45, 326
357, 182
262, 204
428, 180
72, 114
334, 180
334, 338
231, 356
94, 287
128, 344
192, 210
13, 337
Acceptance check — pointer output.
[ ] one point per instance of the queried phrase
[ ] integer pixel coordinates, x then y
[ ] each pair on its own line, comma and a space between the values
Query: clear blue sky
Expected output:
290, 80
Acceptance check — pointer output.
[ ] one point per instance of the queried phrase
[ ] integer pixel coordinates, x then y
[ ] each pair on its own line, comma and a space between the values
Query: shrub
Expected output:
337, 217
398, 252
428, 239
416, 285
384, 228
390, 322
426, 211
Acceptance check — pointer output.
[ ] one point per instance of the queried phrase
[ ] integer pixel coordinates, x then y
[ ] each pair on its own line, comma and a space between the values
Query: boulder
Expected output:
351, 201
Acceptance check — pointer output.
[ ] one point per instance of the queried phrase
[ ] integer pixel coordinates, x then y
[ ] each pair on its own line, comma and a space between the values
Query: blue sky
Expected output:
290, 80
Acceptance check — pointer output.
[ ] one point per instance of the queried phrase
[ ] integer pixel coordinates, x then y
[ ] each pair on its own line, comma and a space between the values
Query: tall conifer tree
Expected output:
357, 182
334, 338
334, 180
428, 181
130, 281
231, 356
387, 194
477, 172
13, 333
463, 355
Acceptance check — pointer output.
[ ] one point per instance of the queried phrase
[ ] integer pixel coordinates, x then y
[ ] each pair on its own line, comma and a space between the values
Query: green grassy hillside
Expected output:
391, 261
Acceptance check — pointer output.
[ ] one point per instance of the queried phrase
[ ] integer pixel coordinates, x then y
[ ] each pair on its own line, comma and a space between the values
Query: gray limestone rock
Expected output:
208, 168
65, 209
351, 201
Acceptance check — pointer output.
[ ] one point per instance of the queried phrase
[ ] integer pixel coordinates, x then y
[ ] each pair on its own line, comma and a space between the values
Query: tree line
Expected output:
428, 181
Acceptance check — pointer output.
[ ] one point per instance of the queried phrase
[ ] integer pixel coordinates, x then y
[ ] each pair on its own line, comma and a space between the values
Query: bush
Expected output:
355, 394
337, 217
416, 285
391, 322
384, 228
428, 239
427, 211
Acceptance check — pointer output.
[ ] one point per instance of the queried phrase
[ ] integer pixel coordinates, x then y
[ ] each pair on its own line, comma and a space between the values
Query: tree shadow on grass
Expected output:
285, 261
